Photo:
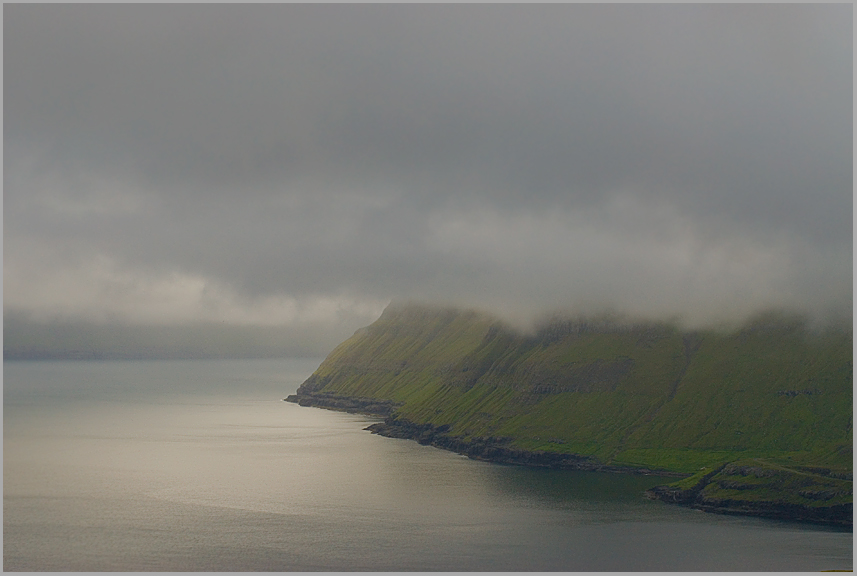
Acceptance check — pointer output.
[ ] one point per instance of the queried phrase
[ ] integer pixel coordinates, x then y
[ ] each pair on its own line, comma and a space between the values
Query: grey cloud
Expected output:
325, 149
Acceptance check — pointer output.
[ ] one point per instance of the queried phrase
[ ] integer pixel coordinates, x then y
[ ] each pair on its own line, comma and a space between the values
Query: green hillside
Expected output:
619, 394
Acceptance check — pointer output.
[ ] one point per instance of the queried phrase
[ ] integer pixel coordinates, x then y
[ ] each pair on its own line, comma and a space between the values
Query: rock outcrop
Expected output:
370, 406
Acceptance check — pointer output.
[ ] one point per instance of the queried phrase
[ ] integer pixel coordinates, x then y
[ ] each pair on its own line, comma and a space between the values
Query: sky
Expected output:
295, 168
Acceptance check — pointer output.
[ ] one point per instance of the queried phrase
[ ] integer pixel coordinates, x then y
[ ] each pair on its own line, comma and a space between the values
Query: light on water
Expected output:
200, 465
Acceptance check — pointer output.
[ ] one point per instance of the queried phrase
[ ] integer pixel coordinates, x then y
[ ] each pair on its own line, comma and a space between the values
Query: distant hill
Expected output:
24, 339
759, 418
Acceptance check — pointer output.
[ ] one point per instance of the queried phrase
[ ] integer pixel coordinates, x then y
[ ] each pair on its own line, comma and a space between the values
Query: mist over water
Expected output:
200, 465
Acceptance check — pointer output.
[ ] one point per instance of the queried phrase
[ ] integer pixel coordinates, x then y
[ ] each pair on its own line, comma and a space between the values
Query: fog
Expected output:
295, 168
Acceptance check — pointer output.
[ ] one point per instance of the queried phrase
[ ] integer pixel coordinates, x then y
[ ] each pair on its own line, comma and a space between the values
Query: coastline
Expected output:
354, 405
487, 449
500, 451
840, 515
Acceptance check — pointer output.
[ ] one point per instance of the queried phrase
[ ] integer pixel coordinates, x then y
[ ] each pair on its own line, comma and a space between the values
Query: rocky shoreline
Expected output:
497, 450
500, 451
491, 449
840, 515
369, 406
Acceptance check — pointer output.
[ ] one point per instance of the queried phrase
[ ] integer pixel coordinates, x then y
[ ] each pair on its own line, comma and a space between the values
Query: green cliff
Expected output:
774, 398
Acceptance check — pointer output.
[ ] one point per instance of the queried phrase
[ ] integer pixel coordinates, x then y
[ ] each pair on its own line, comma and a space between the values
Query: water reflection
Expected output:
559, 487
201, 466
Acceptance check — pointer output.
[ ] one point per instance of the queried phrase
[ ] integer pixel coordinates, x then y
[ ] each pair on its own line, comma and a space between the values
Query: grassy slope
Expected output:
646, 395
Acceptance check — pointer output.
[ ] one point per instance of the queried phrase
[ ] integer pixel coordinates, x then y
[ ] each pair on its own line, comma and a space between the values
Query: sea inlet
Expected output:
200, 466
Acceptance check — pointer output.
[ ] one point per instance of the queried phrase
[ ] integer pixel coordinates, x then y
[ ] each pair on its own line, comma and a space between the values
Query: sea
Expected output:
200, 465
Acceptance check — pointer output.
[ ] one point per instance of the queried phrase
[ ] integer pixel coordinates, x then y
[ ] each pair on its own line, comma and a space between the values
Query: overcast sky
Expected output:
303, 165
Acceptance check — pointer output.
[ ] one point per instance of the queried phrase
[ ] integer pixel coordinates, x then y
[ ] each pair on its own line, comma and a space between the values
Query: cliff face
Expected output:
589, 393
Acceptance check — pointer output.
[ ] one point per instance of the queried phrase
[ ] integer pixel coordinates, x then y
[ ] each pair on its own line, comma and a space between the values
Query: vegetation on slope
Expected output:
632, 395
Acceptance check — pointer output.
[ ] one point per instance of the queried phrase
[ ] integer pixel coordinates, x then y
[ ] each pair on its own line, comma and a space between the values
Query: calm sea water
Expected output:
200, 465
